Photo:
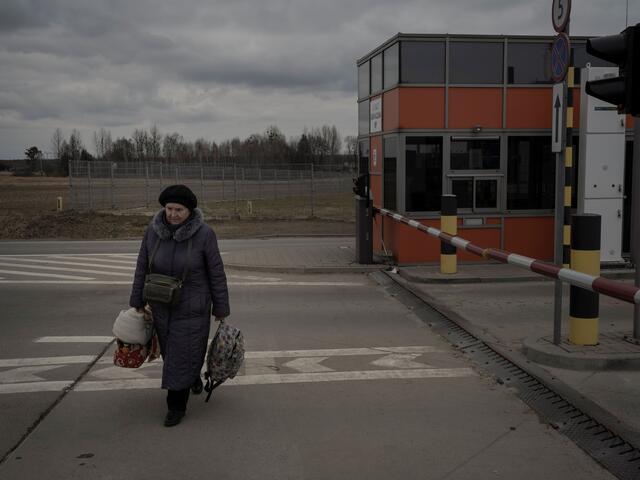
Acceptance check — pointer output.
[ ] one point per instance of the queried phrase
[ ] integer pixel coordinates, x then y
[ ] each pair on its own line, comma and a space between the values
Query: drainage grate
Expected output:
601, 442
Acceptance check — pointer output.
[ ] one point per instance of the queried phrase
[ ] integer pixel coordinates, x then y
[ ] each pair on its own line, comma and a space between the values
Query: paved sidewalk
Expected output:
513, 306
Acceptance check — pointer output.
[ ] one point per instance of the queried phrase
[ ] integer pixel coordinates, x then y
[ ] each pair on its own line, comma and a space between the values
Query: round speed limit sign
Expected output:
560, 14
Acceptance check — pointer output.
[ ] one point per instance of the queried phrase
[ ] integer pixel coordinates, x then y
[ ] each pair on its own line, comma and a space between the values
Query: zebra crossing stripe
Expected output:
63, 269
131, 267
49, 275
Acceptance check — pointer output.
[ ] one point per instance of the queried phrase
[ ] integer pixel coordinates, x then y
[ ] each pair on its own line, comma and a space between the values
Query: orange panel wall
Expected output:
530, 236
529, 107
475, 106
421, 107
409, 245
390, 110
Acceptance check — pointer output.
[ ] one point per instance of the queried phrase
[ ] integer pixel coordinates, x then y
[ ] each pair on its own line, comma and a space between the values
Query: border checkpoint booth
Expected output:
471, 115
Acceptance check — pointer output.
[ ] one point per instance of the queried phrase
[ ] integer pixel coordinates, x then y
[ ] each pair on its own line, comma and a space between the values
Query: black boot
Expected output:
177, 404
173, 418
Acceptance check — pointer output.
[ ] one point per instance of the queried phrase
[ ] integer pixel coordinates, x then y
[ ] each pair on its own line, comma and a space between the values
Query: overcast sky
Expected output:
223, 68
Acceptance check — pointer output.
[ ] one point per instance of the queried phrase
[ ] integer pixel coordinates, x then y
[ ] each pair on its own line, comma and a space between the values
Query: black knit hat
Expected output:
178, 194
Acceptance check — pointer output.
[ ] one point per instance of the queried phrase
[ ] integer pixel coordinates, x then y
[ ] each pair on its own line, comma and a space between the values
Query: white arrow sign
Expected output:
399, 360
557, 117
25, 374
308, 365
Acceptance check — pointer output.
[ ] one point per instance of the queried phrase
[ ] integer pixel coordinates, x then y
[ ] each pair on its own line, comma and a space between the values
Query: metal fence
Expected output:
100, 185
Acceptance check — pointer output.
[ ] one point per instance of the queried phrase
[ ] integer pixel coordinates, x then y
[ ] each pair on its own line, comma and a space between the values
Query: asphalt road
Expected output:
340, 381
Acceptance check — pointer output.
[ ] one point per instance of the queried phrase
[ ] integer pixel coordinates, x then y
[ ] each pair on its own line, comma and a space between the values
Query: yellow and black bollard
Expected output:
568, 172
449, 225
585, 257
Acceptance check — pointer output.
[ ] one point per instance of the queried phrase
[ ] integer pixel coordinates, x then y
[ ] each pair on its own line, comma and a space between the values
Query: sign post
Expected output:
560, 59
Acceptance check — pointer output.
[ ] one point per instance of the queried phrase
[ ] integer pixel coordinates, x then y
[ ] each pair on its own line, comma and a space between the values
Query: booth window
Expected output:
390, 173
530, 174
475, 154
363, 118
363, 157
528, 63
581, 57
422, 62
363, 80
423, 182
391, 66
376, 73
476, 63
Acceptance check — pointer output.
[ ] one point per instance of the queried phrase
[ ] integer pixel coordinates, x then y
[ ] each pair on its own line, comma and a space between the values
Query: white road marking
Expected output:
58, 262
120, 373
259, 366
25, 374
399, 360
130, 261
35, 387
286, 378
253, 359
308, 365
63, 269
50, 275
22, 362
74, 339
335, 352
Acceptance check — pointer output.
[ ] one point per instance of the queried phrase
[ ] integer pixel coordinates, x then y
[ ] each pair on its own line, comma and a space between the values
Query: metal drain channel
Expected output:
560, 406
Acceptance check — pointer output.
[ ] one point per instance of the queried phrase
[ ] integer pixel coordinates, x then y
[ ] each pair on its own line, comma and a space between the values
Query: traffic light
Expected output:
622, 50
360, 185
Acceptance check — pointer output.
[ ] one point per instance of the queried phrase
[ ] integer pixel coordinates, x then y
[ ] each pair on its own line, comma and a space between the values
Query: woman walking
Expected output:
179, 244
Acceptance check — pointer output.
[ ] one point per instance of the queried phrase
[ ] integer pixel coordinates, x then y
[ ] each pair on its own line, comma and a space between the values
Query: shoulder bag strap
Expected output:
187, 265
153, 254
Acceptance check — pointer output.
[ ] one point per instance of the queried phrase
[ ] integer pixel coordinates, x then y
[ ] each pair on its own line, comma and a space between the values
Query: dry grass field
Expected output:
28, 211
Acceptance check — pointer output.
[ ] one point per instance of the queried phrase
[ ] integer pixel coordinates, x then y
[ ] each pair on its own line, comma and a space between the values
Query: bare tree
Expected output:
351, 145
102, 142
75, 145
170, 146
140, 144
56, 143
153, 143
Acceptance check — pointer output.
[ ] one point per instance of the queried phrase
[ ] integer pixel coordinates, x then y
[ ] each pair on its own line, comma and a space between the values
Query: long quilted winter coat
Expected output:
183, 329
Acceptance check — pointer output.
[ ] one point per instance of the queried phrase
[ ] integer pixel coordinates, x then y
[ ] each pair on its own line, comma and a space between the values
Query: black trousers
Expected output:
177, 399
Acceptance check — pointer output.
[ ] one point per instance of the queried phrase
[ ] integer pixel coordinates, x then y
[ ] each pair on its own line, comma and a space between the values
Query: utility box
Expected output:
601, 164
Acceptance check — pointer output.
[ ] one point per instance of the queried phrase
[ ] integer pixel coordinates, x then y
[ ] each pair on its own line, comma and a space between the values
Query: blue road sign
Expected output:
560, 56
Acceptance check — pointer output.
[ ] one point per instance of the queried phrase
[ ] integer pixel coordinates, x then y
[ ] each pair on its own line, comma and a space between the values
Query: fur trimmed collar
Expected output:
184, 232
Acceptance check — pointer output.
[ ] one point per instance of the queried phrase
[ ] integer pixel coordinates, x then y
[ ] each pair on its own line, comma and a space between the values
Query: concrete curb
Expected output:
301, 269
542, 351
460, 278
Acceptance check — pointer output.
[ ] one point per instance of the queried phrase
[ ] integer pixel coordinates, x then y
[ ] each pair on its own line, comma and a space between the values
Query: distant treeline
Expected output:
322, 146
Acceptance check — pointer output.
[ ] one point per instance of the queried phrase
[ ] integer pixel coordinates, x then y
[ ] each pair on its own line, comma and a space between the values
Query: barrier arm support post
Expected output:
449, 225
585, 257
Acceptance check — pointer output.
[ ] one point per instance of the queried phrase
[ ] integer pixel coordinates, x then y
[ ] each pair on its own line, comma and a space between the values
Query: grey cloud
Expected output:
120, 63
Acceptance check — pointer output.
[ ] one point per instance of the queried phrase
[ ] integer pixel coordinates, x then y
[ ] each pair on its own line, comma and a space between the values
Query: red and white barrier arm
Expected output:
622, 291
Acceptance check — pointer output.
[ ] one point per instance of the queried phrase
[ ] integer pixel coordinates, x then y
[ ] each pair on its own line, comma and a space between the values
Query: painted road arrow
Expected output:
399, 360
25, 374
308, 365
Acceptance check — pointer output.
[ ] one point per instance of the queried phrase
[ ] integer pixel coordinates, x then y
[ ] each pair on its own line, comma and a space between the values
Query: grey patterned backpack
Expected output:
224, 357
